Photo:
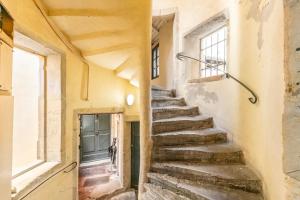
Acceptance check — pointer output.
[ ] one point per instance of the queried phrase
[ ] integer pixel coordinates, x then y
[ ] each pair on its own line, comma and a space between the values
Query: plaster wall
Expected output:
256, 57
165, 54
105, 90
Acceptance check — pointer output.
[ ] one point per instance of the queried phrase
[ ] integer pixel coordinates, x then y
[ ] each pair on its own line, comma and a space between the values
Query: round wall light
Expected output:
130, 99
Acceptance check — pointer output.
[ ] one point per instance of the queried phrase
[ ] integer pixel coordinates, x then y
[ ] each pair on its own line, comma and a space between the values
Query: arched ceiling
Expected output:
106, 32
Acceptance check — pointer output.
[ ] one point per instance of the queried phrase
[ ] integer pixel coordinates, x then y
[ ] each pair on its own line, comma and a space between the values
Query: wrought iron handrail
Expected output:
252, 99
64, 170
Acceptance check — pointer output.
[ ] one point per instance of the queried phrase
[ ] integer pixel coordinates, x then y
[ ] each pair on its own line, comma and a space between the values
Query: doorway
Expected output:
135, 154
95, 137
98, 175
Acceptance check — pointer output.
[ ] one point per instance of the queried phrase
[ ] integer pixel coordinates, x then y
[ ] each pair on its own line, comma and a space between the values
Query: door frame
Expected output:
76, 134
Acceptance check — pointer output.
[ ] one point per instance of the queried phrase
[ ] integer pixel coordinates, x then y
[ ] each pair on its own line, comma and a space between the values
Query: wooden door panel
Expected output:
95, 137
135, 154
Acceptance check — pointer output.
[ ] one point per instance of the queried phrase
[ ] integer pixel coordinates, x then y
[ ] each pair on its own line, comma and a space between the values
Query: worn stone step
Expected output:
96, 180
215, 153
174, 111
158, 193
158, 92
188, 138
230, 176
182, 123
198, 191
167, 101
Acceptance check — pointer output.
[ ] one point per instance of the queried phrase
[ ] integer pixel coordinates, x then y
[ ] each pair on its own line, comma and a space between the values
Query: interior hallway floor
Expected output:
97, 180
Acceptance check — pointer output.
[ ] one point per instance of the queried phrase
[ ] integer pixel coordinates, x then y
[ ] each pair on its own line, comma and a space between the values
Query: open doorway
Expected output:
99, 160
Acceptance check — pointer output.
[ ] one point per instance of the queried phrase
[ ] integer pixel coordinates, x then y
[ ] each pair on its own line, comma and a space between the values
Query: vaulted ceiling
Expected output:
106, 32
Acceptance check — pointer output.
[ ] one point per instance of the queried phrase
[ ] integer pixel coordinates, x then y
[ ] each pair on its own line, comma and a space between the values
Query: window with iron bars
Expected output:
213, 51
155, 62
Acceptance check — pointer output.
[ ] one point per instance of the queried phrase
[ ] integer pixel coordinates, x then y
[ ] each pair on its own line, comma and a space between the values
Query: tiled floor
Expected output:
96, 181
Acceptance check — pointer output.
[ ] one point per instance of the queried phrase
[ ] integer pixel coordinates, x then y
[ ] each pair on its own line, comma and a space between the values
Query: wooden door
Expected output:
95, 136
135, 154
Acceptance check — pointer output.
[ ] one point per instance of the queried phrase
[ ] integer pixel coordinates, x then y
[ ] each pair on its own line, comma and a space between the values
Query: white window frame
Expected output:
209, 69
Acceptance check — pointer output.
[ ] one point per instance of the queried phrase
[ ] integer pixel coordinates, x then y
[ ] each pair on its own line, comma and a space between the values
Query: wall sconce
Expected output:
130, 99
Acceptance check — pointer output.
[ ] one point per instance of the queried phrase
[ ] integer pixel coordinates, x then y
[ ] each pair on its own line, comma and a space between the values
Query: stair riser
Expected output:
169, 102
175, 189
183, 140
162, 93
165, 114
92, 171
197, 156
198, 177
161, 194
160, 127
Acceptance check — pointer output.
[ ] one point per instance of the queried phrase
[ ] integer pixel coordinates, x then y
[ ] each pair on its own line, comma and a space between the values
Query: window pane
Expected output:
208, 53
221, 34
214, 38
27, 113
214, 53
208, 42
221, 50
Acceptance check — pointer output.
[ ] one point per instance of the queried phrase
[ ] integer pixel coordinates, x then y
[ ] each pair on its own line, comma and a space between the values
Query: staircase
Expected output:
192, 160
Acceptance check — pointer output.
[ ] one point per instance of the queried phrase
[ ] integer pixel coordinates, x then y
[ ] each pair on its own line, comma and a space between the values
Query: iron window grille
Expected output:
213, 50
155, 62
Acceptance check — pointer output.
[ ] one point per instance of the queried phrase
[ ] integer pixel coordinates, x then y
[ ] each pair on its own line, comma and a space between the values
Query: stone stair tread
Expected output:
203, 191
166, 98
163, 194
191, 133
183, 118
218, 148
173, 108
238, 172
159, 88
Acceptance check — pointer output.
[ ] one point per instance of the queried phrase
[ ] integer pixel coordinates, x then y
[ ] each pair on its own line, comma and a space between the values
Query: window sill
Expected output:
25, 182
207, 79
22, 170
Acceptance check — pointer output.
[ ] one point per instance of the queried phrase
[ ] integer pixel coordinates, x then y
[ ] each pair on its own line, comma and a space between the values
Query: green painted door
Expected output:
95, 134
135, 154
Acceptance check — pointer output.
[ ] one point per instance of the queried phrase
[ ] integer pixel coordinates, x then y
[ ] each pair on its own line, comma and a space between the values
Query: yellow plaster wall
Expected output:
165, 57
256, 56
105, 90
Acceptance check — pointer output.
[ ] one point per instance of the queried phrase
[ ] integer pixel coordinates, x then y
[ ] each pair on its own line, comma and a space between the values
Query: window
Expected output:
155, 62
213, 49
28, 123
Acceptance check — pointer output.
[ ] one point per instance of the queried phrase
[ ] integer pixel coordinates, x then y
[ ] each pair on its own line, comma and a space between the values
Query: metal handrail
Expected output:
73, 164
253, 99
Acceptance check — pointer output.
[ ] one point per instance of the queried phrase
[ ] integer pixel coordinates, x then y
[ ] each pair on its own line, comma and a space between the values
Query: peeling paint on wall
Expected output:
260, 11
198, 92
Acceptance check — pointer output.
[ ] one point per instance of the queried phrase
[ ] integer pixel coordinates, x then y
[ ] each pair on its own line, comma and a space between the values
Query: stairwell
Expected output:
192, 160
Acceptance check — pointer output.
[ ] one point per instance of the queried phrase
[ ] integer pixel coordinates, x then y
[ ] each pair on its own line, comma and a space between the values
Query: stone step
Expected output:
182, 123
158, 193
174, 111
127, 195
96, 180
157, 92
215, 153
188, 138
167, 101
198, 191
229, 176
90, 171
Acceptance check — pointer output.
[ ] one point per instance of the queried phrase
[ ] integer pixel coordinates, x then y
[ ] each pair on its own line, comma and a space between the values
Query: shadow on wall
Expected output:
198, 92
